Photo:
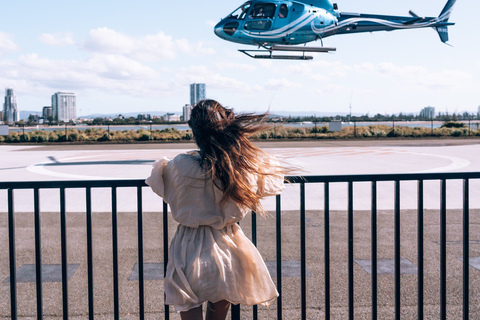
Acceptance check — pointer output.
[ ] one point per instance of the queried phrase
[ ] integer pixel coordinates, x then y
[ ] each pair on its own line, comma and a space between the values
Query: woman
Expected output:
209, 191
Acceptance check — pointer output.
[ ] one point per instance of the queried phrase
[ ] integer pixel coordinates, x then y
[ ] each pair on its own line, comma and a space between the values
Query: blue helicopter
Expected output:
280, 25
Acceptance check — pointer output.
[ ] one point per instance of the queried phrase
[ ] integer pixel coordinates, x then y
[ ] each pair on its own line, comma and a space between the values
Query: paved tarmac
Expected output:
27, 163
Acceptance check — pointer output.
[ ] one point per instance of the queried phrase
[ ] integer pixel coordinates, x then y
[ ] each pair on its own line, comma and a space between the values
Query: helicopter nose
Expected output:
226, 29
218, 29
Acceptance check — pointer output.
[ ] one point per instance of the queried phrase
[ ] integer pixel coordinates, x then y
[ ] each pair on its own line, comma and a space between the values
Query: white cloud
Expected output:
58, 39
203, 74
109, 73
211, 23
390, 70
445, 79
149, 48
6, 43
274, 84
332, 89
243, 67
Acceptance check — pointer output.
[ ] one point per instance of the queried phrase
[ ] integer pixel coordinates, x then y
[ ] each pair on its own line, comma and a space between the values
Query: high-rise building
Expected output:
64, 106
427, 113
197, 92
187, 110
10, 110
47, 112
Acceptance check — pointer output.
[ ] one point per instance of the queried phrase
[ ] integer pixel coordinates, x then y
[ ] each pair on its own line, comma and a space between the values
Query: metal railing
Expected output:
326, 181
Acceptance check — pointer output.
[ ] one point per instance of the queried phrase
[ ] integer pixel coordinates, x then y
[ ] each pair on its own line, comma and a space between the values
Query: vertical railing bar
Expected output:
38, 253
397, 251
116, 305
235, 312
303, 262
374, 252
63, 236
326, 219
141, 284
254, 241
443, 250
466, 240
165, 253
351, 295
279, 256
11, 251
420, 253
88, 199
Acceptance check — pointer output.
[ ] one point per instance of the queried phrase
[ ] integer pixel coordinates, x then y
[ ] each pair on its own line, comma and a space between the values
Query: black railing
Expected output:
325, 292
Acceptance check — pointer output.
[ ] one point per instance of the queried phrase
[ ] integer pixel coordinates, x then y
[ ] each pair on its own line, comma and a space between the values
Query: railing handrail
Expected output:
290, 179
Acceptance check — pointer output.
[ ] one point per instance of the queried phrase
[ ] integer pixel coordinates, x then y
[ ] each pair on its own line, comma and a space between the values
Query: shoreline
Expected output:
303, 143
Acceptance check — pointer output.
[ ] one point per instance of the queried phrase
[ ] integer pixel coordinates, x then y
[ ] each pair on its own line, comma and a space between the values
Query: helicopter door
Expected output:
283, 16
295, 17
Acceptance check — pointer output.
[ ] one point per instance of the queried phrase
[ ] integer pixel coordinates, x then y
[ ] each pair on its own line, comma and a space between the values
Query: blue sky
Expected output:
128, 56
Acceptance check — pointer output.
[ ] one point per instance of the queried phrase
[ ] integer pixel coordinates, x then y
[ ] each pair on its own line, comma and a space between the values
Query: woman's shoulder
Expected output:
187, 161
187, 157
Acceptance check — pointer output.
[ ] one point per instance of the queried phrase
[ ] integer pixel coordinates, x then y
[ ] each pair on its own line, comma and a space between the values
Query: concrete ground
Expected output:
27, 163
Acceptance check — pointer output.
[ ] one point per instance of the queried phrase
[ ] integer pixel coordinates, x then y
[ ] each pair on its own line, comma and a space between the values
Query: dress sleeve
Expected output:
155, 181
273, 183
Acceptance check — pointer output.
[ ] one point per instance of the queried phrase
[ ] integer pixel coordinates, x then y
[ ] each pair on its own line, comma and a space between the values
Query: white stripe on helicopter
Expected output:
278, 33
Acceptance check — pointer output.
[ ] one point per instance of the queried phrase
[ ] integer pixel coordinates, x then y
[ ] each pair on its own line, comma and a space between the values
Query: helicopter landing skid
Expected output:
269, 52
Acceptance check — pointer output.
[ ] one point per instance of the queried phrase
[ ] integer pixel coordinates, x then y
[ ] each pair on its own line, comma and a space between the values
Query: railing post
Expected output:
374, 250
397, 220
88, 199
38, 253
351, 285
279, 256
420, 254
11, 251
443, 250
254, 241
165, 253
303, 262
63, 236
466, 255
141, 287
326, 219
116, 306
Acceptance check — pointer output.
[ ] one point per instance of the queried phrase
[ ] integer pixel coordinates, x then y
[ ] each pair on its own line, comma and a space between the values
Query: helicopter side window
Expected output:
283, 11
262, 11
241, 12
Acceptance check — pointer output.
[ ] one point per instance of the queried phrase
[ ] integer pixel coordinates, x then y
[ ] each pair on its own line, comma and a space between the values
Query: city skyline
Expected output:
118, 67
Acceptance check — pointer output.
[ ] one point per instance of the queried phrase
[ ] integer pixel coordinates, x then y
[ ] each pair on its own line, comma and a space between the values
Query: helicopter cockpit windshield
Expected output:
241, 11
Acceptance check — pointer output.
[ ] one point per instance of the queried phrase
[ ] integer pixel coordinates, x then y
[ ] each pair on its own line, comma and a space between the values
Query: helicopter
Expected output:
283, 25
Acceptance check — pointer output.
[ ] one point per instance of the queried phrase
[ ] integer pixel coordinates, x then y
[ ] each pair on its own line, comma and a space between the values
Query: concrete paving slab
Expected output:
50, 272
151, 271
289, 269
387, 266
473, 262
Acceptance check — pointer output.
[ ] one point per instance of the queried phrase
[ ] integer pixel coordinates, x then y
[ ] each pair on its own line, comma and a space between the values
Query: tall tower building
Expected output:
10, 110
197, 93
64, 106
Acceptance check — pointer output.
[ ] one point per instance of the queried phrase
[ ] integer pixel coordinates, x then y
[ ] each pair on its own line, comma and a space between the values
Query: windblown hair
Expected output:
226, 153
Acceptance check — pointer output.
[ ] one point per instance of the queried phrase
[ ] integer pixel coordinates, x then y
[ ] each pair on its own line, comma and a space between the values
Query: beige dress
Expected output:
210, 257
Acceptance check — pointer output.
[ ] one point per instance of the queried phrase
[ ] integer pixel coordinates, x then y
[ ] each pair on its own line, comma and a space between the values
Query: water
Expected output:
307, 124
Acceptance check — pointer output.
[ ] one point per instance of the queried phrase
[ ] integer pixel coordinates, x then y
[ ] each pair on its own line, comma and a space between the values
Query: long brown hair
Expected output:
226, 153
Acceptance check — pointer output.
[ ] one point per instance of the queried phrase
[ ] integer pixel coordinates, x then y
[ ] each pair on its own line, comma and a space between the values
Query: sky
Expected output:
127, 56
